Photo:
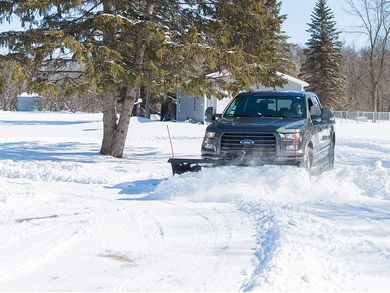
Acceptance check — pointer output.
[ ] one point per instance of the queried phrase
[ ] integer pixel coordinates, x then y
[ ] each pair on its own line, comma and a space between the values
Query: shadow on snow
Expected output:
143, 188
45, 122
73, 151
36, 151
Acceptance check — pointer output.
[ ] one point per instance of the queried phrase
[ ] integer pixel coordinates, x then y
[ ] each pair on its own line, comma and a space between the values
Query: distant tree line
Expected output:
356, 71
359, 81
361, 76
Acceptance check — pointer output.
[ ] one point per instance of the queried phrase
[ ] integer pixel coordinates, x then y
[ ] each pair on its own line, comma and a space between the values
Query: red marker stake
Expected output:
295, 145
170, 140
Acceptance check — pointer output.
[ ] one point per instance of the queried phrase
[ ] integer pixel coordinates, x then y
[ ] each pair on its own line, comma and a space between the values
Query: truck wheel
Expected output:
308, 159
331, 157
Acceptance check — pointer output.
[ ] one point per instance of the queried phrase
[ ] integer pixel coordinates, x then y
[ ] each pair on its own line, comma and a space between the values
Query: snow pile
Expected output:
374, 182
272, 183
72, 172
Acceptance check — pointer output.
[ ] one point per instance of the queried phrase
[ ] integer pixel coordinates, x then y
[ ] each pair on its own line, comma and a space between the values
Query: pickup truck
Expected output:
267, 128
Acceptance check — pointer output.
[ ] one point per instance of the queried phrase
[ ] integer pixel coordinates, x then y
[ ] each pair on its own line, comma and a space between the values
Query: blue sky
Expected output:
298, 15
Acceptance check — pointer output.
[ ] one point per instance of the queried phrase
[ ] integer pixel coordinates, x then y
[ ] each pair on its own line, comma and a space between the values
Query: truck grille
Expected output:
263, 146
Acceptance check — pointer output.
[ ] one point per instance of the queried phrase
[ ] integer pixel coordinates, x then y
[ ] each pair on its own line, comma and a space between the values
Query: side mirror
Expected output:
208, 114
328, 116
315, 114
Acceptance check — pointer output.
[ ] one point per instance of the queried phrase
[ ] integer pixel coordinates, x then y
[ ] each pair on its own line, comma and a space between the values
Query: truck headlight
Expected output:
210, 134
291, 136
209, 141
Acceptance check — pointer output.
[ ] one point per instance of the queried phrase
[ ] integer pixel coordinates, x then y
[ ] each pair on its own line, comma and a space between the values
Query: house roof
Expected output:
223, 74
28, 95
293, 79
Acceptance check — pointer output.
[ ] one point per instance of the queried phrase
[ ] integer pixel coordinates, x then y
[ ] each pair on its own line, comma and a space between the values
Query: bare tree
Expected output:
296, 53
12, 83
375, 18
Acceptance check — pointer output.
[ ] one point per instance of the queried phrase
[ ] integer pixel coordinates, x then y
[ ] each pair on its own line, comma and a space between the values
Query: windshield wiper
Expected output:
241, 116
275, 116
259, 115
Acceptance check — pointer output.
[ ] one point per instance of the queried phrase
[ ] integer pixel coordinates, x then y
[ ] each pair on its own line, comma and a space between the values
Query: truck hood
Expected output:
266, 124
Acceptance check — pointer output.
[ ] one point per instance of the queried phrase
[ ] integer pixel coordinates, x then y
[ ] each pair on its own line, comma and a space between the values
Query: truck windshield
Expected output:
262, 106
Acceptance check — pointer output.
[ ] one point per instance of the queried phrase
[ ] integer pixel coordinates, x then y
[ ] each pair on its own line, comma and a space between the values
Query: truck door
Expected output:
316, 129
323, 131
326, 128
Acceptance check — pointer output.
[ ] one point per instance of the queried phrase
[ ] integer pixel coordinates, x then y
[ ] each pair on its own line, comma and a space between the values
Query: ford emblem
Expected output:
247, 142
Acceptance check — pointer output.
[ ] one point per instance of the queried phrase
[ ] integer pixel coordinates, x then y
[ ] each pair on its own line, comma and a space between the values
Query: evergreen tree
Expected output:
249, 42
323, 65
112, 46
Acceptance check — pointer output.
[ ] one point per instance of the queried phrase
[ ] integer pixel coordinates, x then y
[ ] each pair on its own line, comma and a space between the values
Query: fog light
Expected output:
290, 147
209, 146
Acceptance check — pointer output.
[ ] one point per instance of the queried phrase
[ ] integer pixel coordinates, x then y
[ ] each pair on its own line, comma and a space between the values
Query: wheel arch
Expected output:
310, 144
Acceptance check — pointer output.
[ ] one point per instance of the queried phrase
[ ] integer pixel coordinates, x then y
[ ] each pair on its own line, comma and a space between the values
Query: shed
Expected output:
189, 107
28, 102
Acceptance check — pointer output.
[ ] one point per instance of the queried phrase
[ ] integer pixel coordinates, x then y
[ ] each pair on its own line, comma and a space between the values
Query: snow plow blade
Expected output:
180, 166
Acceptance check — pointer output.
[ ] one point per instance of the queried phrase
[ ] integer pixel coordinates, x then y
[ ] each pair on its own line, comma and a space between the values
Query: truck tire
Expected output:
308, 159
331, 156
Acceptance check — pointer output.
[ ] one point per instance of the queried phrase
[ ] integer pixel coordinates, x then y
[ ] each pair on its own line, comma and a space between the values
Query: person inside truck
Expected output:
295, 111
262, 108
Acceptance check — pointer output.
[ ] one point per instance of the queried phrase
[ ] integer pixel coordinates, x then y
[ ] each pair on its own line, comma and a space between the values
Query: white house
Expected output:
189, 107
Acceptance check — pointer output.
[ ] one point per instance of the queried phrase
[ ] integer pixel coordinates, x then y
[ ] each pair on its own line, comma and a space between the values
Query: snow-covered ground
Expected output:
71, 219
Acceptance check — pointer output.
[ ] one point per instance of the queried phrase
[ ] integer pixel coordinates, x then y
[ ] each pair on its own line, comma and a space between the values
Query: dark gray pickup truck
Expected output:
267, 127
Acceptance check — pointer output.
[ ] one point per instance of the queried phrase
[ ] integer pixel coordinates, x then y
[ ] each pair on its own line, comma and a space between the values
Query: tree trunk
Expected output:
138, 110
147, 104
109, 123
374, 98
119, 140
118, 143
109, 99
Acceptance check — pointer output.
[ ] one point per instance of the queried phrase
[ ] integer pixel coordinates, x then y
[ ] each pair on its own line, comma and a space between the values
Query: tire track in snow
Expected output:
289, 234
382, 251
151, 232
267, 235
55, 242
184, 259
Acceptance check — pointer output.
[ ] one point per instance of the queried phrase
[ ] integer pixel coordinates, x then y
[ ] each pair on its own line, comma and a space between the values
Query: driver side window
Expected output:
314, 102
310, 104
